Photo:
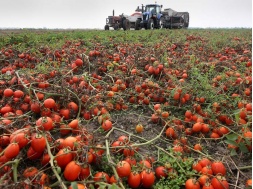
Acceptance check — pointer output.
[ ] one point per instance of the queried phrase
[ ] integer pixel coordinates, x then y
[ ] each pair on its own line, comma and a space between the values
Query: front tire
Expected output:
161, 23
137, 24
116, 27
150, 25
107, 27
126, 24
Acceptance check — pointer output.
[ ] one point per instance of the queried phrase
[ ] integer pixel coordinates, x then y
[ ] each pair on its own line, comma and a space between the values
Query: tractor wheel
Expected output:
137, 24
150, 24
126, 24
161, 23
107, 27
116, 27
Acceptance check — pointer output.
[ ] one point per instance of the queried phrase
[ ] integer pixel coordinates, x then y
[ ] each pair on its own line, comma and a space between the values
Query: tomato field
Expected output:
126, 109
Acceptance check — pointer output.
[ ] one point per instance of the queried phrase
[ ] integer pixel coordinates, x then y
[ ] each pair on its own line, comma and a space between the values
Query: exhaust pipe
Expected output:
113, 12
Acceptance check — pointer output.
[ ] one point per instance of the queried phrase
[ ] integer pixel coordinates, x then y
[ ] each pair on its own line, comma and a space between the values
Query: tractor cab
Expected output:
152, 14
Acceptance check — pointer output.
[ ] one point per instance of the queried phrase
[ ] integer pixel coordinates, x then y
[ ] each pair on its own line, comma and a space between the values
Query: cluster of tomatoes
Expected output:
212, 175
44, 115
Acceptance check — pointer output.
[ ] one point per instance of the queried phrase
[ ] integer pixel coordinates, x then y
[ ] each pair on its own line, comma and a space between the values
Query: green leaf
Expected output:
113, 186
232, 142
243, 147
233, 152
74, 185
232, 136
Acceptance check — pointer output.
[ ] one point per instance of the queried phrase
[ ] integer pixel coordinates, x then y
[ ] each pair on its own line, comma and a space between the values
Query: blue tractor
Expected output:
152, 17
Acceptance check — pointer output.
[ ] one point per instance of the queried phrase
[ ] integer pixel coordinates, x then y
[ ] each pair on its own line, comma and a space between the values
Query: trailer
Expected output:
173, 19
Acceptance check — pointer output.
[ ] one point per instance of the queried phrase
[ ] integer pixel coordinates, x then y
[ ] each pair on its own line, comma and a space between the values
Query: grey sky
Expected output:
92, 13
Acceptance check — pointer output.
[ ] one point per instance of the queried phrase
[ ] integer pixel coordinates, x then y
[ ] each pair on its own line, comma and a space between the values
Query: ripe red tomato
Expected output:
218, 168
145, 164
79, 186
72, 171
197, 127
134, 180
63, 157
204, 162
49, 103
73, 106
160, 172
197, 166
123, 168
203, 179
207, 170
208, 186
35, 107
79, 62
85, 172
170, 133
45, 123
147, 178
107, 125
8, 92
73, 124
18, 94
20, 138
38, 142
219, 182
101, 177
70, 142
65, 113
192, 184
11, 151
32, 154
4, 140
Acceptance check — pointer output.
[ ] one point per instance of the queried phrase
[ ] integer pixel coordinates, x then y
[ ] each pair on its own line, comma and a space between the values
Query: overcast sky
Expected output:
92, 13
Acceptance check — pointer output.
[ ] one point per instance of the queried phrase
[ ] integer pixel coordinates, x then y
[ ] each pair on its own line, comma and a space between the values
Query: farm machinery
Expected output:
122, 21
149, 16
154, 17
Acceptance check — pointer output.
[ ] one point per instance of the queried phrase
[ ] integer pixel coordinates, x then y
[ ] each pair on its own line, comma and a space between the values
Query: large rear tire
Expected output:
150, 25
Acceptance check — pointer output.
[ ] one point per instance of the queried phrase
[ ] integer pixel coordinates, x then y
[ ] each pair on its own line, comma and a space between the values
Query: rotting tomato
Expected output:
30, 172
101, 177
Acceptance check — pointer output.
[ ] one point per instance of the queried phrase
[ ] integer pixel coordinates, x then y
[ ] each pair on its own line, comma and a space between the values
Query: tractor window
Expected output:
158, 9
